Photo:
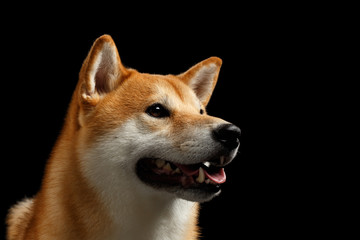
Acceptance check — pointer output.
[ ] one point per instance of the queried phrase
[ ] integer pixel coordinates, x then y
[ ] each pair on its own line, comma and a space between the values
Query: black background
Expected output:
267, 58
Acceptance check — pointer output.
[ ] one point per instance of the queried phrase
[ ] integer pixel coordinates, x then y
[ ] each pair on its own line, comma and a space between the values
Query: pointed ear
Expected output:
202, 78
102, 70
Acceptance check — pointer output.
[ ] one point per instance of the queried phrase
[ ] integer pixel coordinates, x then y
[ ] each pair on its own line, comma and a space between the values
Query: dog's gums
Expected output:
161, 173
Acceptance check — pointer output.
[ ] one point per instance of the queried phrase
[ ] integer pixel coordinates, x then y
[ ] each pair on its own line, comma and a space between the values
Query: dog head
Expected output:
150, 132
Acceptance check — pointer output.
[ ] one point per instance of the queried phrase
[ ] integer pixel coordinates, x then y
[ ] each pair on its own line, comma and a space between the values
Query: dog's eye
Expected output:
158, 111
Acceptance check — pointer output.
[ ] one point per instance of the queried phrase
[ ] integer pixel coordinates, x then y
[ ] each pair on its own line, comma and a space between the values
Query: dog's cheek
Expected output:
149, 137
131, 141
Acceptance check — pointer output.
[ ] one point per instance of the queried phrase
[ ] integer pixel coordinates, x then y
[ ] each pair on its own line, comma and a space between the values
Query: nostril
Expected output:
228, 135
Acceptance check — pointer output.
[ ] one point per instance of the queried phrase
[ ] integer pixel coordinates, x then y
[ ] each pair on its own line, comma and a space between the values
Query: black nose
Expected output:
228, 135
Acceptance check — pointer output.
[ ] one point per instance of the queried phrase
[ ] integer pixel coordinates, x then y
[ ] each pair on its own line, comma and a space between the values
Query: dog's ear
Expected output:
101, 72
202, 78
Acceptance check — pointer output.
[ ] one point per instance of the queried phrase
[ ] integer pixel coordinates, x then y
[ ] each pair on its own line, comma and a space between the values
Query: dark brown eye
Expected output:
157, 111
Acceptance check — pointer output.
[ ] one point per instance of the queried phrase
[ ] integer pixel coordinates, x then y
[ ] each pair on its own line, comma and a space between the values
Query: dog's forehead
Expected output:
166, 89
174, 92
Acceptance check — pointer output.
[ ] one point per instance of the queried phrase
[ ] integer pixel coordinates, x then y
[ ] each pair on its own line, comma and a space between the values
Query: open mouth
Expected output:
160, 173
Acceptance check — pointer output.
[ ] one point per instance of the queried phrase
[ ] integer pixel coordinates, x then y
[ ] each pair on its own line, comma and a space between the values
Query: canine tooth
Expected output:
160, 163
167, 167
201, 177
222, 159
207, 164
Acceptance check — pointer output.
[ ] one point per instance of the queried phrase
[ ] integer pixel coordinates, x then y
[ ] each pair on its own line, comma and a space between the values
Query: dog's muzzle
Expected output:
198, 181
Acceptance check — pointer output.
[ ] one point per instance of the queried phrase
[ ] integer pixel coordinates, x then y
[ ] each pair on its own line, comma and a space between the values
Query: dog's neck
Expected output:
154, 218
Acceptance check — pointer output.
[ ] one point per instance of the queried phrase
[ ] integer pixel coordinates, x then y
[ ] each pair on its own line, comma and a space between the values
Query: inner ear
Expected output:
204, 81
102, 70
202, 78
107, 70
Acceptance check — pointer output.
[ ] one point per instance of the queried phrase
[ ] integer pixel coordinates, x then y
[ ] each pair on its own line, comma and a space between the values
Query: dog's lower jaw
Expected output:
193, 182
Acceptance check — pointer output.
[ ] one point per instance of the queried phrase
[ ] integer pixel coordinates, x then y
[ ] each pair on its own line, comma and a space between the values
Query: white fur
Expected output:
109, 165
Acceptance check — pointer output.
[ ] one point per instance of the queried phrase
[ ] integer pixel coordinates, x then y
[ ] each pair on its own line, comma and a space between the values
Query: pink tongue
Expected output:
218, 177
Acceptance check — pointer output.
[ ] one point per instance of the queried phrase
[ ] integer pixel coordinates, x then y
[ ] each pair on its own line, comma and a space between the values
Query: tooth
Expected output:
201, 177
207, 164
207, 181
177, 170
160, 163
222, 159
167, 167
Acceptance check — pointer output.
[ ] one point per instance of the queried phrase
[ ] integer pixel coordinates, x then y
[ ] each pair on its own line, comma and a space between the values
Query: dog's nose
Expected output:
228, 135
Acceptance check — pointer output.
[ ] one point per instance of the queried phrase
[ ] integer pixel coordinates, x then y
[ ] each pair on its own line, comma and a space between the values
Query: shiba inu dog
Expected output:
136, 155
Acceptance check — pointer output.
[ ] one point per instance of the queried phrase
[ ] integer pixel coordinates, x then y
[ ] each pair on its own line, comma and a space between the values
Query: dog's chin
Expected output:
195, 182
198, 195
